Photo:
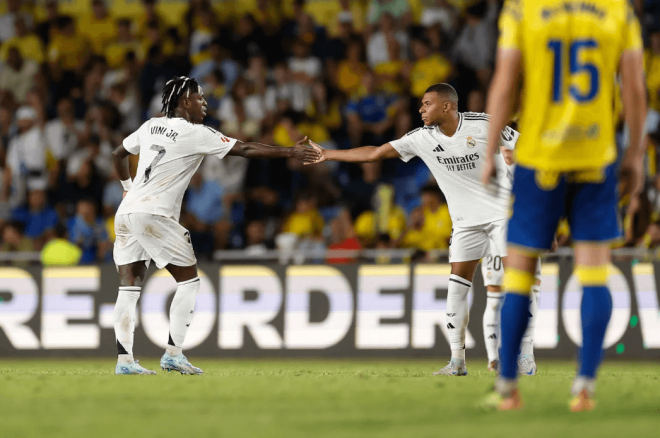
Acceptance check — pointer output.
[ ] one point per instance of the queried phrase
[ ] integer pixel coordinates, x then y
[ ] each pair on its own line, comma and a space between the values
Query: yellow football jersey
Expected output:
570, 57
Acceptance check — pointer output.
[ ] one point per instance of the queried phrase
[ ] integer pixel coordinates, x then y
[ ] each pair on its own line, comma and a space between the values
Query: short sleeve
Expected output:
509, 138
132, 142
405, 146
632, 33
510, 25
214, 142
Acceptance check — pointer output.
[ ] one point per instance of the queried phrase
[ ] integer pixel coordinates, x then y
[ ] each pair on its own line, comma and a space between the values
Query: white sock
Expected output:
527, 343
181, 314
124, 321
457, 314
492, 324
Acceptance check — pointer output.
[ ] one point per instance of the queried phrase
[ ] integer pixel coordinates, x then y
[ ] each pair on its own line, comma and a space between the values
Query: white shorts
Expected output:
143, 236
475, 243
493, 271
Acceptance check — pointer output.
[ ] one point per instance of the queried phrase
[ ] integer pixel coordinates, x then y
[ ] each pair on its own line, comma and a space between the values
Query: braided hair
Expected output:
174, 89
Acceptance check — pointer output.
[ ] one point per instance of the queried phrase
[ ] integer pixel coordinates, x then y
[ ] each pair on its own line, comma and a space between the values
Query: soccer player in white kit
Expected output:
492, 270
453, 145
171, 148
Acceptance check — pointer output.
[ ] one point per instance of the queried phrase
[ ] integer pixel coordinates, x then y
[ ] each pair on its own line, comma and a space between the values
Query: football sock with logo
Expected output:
595, 309
457, 314
124, 322
181, 314
527, 344
513, 319
491, 323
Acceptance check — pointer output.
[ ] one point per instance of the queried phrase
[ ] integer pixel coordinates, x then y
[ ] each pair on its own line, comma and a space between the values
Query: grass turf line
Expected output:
313, 398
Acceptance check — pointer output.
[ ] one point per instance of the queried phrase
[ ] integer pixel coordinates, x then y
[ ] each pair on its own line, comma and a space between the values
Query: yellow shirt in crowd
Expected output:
29, 46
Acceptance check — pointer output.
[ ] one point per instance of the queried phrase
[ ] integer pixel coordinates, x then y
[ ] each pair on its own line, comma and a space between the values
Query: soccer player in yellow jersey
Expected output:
568, 53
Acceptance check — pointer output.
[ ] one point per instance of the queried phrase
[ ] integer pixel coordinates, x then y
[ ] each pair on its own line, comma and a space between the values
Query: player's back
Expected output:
171, 150
570, 57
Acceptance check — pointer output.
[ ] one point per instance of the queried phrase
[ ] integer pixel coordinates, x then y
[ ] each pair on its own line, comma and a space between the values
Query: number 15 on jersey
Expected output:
576, 49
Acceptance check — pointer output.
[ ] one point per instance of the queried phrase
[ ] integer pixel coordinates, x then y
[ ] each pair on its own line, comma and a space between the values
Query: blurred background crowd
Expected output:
77, 76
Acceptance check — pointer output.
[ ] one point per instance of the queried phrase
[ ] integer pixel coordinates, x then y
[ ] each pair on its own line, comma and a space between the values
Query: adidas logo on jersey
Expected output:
493, 336
438, 149
450, 326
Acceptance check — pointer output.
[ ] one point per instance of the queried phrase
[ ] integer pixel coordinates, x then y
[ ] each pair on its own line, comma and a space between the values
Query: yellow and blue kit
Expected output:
570, 57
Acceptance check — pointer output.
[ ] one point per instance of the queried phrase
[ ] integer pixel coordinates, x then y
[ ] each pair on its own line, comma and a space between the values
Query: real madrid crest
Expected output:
471, 142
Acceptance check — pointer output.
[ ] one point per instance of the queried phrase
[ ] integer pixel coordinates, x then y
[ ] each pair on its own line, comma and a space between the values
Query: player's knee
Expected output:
592, 275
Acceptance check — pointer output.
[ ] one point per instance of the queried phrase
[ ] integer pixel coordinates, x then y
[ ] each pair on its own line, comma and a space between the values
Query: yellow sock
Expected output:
518, 282
592, 275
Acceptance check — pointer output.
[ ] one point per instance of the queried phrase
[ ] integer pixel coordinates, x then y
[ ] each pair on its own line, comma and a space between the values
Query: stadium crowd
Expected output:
77, 76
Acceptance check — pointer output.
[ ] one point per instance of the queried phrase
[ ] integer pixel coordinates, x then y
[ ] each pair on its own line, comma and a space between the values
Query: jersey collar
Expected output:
460, 122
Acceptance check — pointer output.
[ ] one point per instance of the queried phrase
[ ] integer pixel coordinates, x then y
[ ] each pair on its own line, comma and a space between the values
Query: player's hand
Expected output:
304, 153
489, 171
632, 182
319, 150
124, 195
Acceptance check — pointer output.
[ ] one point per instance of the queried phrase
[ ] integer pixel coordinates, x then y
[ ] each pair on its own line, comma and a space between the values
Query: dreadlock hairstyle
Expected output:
174, 89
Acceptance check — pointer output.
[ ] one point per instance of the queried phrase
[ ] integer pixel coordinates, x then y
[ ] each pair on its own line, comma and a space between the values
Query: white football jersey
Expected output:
457, 162
171, 150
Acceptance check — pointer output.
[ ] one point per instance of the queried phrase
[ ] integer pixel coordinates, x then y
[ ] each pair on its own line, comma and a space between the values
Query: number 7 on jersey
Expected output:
157, 158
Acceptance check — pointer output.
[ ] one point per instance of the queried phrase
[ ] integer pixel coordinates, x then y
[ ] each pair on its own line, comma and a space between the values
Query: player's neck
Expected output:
182, 113
448, 127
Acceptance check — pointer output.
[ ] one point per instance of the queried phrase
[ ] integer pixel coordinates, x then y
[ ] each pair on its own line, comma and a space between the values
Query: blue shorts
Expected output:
588, 199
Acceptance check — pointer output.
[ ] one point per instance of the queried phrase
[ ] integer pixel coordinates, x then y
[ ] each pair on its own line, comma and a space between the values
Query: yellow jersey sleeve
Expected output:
632, 37
510, 25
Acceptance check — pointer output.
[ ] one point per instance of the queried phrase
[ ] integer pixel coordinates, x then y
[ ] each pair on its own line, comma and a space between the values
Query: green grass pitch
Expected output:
314, 398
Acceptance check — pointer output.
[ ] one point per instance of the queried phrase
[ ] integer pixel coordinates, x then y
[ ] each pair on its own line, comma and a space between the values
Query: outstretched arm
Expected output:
362, 154
259, 150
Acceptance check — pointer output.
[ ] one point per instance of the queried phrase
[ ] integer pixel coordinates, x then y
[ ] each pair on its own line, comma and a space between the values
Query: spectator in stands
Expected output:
305, 69
399, 10
384, 218
27, 42
13, 241
26, 157
474, 49
305, 221
436, 229
428, 68
207, 215
47, 28
88, 232
390, 73
17, 78
343, 238
59, 251
652, 64
125, 42
64, 133
219, 59
255, 236
377, 43
98, 27
440, 13
241, 112
202, 36
67, 53
371, 116
7, 20
148, 16
38, 218
97, 152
